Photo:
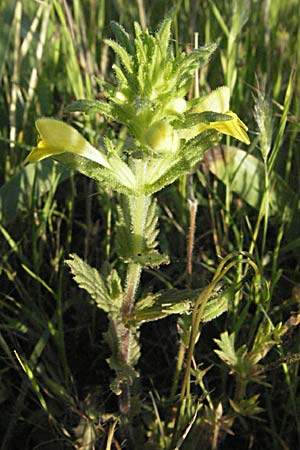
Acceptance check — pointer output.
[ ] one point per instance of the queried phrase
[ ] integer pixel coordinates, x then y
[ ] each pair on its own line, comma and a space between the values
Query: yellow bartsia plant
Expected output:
166, 138
57, 137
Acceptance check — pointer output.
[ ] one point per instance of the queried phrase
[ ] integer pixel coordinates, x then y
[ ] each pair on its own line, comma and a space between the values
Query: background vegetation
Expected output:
54, 380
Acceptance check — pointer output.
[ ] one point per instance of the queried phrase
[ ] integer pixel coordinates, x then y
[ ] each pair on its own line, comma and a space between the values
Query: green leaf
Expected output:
15, 194
193, 60
122, 36
120, 74
160, 305
148, 256
151, 226
107, 294
266, 337
215, 307
89, 107
137, 29
183, 162
92, 170
206, 117
219, 302
246, 174
150, 259
240, 361
115, 291
227, 350
124, 244
164, 32
126, 59
247, 407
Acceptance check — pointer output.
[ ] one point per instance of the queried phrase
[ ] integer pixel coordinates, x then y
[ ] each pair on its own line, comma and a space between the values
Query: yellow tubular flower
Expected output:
218, 101
57, 137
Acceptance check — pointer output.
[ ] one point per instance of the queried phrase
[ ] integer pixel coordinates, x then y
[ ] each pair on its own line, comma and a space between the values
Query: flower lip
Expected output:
57, 137
217, 101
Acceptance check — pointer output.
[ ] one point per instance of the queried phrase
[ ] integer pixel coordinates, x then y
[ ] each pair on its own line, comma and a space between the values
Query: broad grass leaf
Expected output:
15, 194
246, 175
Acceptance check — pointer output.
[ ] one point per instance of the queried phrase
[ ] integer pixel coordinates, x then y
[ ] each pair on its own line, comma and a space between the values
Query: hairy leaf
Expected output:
122, 36
123, 230
122, 53
106, 293
190, 154
207, 117
151, 259
90, 106
92, 170
160, 305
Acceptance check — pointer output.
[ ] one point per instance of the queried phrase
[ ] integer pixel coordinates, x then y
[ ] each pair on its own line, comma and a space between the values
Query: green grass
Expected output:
54, 380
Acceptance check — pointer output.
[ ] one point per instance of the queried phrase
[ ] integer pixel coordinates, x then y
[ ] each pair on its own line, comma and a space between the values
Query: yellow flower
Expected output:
57, 137
218, 101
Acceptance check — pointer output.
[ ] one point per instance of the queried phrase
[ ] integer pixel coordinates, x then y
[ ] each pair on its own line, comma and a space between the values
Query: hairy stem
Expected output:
138, 211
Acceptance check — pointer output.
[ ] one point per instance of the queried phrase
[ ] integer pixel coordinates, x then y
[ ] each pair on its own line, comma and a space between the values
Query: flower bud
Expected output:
161, 137
120, 97
176, 106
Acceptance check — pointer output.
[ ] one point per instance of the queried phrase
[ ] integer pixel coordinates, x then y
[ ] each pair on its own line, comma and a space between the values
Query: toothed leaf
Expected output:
126, 59
207, 117
107, 294
106, 177
122, 37
160, 305
90, 106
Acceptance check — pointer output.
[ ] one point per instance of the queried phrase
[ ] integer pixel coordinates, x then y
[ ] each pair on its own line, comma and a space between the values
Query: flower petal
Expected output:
57, 137
235, 128
217, 101
41, 151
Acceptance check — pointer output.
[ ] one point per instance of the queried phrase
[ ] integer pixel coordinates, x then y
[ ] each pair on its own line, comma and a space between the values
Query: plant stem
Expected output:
132, 282
138, 211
